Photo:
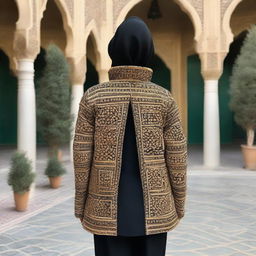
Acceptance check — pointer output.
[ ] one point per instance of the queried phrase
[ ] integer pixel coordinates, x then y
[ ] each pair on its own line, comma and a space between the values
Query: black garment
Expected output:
132, 44
130, 206
150, 245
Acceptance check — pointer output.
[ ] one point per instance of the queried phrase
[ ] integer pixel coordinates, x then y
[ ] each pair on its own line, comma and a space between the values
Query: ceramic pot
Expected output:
249, 155
21, 201
55, 181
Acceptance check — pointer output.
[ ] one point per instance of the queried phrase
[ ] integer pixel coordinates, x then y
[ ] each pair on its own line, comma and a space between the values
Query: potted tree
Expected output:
54, 171
20, 177
243, 95
53, 97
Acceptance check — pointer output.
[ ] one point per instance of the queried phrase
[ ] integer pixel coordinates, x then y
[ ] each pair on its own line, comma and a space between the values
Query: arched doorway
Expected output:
162, 74
39, 66
195, 100
8, 102
52, 27
8, 81
52, 31
173, 36
241, 19
92, 76
230, 131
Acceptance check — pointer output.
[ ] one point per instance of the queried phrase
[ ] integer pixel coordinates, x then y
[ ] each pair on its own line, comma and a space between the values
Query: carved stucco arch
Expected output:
193, 15
124, 11
67, 23
226, 20
92, 30
25, 14
25, 43
184, 5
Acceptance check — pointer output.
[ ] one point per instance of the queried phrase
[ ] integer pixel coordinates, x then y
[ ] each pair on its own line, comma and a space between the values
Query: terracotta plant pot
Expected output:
55, 181
21, 201
249, 155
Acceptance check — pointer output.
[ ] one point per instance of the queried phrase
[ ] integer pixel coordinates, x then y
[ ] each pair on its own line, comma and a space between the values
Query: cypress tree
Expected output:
243, 86
54, 100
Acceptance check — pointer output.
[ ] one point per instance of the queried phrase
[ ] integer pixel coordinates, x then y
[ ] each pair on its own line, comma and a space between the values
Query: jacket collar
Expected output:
136, 73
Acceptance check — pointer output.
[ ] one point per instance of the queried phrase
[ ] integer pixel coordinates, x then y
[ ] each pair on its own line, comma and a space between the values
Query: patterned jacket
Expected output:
97, 151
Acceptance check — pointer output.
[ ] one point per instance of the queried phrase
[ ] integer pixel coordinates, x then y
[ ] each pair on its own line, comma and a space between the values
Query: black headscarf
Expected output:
132, 44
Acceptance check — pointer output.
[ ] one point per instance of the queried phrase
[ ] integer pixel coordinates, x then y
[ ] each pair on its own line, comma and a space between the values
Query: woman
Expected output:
130, 153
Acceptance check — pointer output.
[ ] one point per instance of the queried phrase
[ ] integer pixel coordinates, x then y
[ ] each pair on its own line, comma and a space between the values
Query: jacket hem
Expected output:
114, 233
98, 232
163, 230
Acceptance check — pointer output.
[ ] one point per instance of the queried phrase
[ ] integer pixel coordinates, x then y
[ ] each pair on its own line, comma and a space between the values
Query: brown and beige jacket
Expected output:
97, 151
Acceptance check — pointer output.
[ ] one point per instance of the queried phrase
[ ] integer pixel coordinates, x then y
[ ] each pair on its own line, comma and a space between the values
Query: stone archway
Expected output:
243, 16
184, 5
9, 14
61, 9
238, 16
174, 39
52, 26
93, 46
227, 17
92, 62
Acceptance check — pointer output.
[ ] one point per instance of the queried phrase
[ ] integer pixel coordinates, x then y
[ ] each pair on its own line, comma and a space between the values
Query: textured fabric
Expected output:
130, 210
97, 150
132, 44
130, 73
150, 245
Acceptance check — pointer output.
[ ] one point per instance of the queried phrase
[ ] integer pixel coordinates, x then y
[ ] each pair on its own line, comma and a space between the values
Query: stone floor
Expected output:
220, 215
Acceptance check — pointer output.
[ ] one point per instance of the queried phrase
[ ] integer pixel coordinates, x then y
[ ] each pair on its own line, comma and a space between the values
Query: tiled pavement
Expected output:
220, 215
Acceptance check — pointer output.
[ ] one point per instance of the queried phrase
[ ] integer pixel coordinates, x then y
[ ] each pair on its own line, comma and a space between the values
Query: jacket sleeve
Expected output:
83, 153
176, 154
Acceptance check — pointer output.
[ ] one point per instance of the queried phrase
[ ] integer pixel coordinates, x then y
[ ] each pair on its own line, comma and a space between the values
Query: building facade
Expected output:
195, 43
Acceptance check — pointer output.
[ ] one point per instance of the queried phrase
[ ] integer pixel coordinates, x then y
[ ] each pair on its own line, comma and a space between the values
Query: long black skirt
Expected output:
148, 245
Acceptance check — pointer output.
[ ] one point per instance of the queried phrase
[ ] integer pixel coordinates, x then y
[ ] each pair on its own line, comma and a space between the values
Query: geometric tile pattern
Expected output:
220, 220
220, 214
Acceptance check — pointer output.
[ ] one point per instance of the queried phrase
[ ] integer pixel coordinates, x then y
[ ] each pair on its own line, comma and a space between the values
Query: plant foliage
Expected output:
54, 168
54, 99
243, 84
20, 176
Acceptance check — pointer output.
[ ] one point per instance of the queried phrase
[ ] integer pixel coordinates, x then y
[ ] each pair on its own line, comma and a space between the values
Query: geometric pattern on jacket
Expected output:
97, 151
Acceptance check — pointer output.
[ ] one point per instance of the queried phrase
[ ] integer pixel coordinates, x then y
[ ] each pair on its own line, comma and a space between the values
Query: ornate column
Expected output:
212, 49
211, 124
26, 47
78, 65
211, 71
26, 109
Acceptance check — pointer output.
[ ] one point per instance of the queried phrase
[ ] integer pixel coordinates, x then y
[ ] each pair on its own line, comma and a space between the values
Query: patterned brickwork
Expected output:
118, 5
198, 5
98, 145
70, 6
224, 5
94, 10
